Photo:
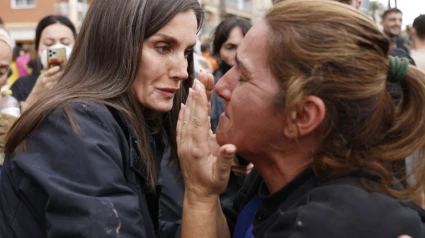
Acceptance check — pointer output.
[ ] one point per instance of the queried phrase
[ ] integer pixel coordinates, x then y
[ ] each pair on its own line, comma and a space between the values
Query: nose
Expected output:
225, 85
179, 68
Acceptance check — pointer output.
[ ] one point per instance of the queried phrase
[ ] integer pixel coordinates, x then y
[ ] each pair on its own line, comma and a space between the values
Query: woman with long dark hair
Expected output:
52, 31
82, 162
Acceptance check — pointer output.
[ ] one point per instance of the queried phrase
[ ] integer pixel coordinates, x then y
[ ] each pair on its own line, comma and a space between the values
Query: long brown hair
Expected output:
338, 54
103, 65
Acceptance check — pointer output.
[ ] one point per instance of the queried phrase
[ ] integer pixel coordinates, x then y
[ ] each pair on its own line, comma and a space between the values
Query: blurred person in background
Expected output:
84, 160
51, 32
392, 20
418, 39
206, 53
6, 51
13, 74
322, 134
23, 60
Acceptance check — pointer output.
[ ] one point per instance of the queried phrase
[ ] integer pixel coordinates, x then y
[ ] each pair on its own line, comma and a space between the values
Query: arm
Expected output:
204, 219
81, 176
205, 166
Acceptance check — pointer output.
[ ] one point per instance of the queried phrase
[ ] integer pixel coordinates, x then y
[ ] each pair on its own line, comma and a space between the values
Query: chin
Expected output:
222, 137
161, 107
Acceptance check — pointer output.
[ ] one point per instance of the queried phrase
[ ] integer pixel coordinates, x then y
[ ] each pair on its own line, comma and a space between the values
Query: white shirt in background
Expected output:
419, 58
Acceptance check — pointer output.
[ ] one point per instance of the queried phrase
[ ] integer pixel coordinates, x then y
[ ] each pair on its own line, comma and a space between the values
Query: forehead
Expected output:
183, 27
235, 35
57, 31
394, 15
253, 51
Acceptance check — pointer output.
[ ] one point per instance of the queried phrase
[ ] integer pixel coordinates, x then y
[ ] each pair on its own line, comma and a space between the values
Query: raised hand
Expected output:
205, 165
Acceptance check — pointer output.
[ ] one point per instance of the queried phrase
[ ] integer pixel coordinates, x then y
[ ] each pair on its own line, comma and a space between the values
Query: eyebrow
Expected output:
53, 39
172, 40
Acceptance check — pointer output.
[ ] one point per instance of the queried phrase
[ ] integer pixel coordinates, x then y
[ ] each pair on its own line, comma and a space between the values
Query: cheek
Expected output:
228, 56
42, 47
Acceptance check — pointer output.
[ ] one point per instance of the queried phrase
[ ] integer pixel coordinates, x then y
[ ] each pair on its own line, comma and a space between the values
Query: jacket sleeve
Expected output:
82, 175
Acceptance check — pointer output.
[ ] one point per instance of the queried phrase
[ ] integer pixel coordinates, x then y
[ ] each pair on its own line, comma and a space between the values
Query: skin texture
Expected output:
392, 23
229, 48
249, 82
5, 59
164, 62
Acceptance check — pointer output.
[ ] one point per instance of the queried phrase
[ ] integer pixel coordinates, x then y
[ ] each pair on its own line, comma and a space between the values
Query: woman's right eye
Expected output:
230, 47
163, 49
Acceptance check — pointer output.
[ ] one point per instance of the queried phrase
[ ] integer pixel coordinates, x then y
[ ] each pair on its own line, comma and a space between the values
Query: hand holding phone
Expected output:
56, 57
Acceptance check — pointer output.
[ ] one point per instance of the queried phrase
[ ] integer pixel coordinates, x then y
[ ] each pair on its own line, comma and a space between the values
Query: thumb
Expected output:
223, 164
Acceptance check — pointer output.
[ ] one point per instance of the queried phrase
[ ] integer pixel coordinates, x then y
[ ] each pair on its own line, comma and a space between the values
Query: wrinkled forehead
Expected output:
254, 46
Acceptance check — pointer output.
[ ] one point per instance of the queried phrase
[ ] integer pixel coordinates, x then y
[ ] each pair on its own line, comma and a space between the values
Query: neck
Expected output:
279, 168
419, 44
391, 36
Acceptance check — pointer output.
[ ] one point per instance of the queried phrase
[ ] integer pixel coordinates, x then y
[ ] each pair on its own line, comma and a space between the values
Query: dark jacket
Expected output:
311, 207
85, 185
172, 195
22, 88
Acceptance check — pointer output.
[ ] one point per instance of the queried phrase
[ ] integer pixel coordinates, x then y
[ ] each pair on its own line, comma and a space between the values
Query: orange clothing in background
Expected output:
210, 59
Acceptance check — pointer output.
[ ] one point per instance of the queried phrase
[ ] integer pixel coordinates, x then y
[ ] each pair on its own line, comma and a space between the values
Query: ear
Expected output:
413, 32
306, 119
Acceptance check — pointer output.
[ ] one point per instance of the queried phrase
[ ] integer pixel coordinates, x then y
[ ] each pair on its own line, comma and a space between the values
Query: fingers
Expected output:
223, 164
199, 115
180, 123
207, 80
48, 78
241, 170
52, 71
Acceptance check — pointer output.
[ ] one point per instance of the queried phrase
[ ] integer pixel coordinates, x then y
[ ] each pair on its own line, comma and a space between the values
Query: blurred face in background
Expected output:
230, 46
392, 23
55, 36
5, 60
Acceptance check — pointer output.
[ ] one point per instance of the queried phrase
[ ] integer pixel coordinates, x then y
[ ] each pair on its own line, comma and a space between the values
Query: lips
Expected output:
225, 113
168, 92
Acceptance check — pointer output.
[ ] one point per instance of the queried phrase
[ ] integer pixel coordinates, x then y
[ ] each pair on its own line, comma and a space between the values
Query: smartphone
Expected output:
56, 57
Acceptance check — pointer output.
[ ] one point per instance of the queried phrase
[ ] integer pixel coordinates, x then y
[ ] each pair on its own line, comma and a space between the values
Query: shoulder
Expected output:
75, 125
84, 108
23, 86
83, 133
26, 79
344, 210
